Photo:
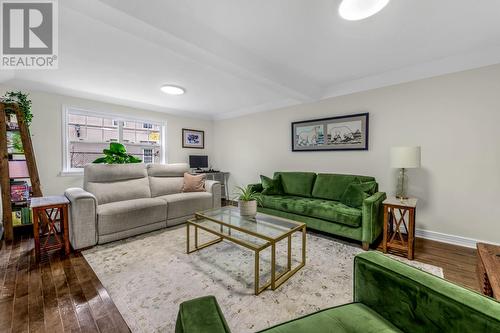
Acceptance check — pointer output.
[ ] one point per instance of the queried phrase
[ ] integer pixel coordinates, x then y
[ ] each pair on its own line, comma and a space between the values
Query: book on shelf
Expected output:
17, 217
19, 191
18, 169
14, 143
26, 216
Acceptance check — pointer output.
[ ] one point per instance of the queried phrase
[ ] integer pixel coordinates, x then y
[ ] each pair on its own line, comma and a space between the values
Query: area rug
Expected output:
148, 276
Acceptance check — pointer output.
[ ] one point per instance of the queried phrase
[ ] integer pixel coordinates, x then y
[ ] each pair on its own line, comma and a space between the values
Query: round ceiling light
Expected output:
354, 10
172, 90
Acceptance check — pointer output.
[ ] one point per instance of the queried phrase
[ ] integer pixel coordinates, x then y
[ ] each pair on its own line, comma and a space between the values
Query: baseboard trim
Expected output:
449, 239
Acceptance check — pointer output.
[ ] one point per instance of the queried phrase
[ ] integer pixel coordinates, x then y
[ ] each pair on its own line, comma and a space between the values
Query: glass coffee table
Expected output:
257, 234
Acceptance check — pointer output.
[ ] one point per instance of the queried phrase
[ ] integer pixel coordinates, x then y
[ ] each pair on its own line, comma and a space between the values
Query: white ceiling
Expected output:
236, 57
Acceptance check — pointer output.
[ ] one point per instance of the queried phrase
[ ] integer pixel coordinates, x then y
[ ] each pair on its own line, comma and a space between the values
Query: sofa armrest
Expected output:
256, 187
214, 187
373, 217
201, 315
82, 218
416, 301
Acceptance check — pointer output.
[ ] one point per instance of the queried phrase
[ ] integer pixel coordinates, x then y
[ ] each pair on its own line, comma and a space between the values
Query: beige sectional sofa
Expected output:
122, 200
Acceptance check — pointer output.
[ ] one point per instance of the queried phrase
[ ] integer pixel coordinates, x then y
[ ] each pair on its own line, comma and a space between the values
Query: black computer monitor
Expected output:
198, 161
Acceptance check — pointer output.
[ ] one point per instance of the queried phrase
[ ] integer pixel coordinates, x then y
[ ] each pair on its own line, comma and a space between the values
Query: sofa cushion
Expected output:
123, 215
331, 186
328, 210
356, 193
297, 183
349, 318
165, 185
184, 204
271, 186
106, 192
167, 170
194, 183
105, 173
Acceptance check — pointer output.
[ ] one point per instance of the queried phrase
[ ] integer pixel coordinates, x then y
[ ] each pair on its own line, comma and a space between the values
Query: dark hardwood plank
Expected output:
35, 296
20, 320
67, 309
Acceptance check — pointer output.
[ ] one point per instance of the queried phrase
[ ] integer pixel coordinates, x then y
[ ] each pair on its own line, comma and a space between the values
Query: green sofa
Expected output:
389, 296
315, 199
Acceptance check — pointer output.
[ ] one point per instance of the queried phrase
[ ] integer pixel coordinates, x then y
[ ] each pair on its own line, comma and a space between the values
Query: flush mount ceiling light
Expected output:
354, 10
172, 90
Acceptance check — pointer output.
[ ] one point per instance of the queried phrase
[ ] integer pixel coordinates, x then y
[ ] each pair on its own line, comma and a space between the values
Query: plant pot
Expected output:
248, 208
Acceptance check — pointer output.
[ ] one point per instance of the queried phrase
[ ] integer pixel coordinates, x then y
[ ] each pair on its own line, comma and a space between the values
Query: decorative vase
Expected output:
248, 208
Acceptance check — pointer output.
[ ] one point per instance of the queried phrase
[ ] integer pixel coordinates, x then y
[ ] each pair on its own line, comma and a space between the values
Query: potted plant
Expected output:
247, 201
117, 154
22, 101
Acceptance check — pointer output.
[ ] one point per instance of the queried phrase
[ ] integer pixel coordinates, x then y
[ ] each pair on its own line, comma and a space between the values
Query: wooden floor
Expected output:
63, 294
55, 295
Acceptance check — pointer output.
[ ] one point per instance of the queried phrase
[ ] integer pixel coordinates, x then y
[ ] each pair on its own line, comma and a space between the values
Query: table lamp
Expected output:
404, 158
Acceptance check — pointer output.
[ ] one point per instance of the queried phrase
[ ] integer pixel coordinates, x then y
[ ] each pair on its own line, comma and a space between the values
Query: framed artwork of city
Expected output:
335, 133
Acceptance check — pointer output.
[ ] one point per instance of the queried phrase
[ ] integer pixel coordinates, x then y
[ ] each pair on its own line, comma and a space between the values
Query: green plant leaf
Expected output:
22, 100
100, 160
117, 148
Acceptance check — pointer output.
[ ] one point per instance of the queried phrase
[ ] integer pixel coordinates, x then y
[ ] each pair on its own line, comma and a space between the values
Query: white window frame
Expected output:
66, 170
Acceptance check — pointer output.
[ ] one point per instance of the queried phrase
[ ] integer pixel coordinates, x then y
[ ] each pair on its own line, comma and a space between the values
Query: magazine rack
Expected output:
6, 157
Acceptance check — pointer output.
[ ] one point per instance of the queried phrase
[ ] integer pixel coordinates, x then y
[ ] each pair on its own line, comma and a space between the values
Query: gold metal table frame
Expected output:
277, 278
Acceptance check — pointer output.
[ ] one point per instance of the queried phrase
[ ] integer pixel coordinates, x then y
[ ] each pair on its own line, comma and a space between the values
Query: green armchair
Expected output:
389, 296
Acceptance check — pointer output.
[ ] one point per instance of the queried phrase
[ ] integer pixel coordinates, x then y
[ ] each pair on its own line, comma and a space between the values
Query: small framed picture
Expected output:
193, 138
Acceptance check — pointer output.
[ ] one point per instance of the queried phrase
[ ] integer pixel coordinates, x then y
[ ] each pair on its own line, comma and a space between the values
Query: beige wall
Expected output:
47, 137
454, 118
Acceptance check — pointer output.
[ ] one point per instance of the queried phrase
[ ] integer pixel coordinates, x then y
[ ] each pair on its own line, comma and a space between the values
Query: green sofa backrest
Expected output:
297, 183
418, 302
331, 186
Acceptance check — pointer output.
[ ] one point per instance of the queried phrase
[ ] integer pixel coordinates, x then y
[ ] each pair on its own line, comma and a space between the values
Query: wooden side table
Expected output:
488, 269
399, 226
50, 224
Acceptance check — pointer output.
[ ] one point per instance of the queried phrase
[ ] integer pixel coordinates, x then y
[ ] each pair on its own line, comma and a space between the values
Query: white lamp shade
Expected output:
405, 157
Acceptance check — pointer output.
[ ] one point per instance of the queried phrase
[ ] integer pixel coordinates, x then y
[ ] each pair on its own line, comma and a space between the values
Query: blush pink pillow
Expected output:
194, 183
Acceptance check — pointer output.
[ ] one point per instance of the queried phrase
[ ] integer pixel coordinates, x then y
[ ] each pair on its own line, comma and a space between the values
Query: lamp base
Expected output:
401, 197
402, 185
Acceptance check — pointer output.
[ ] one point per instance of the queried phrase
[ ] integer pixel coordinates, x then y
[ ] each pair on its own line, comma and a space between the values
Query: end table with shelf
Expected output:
399, 226
50, 224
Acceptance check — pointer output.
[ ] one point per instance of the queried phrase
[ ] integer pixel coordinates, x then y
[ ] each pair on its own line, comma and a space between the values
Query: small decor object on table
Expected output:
334, 133
399, 214
193, 138
488, 269
50, 224
247, 201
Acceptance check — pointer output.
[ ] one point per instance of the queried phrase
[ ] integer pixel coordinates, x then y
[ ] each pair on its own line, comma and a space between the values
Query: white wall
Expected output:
454, 118
47, 134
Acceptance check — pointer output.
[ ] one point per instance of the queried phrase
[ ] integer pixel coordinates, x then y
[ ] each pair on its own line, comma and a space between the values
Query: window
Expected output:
87, 133
147, 155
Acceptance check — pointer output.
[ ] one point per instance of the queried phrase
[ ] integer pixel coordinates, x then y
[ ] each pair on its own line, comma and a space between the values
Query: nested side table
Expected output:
50, 224
399, 226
